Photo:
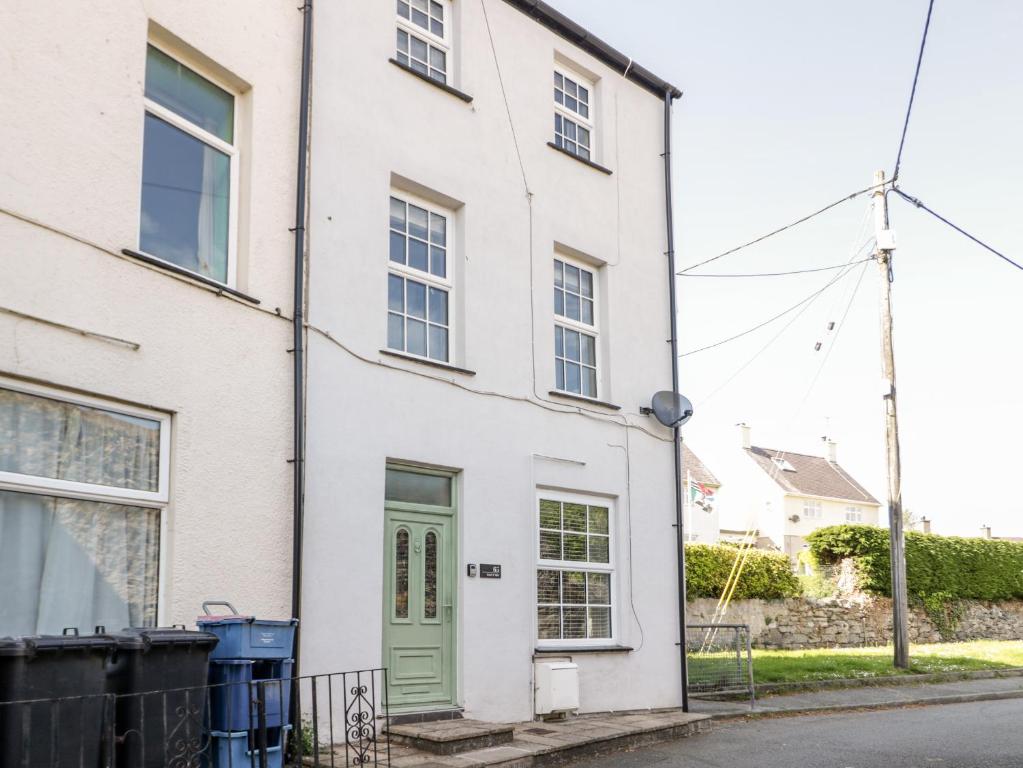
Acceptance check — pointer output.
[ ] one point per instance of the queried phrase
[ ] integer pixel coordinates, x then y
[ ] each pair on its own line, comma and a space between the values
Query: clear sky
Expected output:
788, 106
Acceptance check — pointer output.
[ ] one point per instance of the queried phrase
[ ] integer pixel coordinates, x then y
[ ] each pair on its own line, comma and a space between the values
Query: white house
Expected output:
488, 304
147, 166
784, 495
702, 521
488, 312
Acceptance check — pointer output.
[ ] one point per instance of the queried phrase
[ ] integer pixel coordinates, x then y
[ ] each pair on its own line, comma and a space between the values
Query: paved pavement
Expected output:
986, 734
870, 696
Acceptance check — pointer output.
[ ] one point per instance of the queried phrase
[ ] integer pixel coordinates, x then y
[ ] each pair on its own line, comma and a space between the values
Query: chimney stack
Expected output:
830, 450
744, 432
925, 525
985, 531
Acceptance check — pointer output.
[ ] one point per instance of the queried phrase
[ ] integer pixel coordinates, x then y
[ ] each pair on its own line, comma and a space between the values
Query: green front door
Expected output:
419, 591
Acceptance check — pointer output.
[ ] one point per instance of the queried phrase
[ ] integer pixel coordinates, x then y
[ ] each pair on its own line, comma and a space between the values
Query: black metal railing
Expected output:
336, 719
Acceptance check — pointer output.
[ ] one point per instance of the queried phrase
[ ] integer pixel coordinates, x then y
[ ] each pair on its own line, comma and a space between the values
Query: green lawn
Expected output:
832, 663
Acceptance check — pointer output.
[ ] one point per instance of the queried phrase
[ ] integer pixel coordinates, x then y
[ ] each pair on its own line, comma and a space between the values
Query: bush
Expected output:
766, 575
951, 566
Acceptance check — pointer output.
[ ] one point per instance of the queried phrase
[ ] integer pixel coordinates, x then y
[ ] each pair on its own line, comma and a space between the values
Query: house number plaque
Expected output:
490, 571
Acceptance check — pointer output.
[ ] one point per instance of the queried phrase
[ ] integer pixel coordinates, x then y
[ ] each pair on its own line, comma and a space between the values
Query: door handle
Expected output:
447, 613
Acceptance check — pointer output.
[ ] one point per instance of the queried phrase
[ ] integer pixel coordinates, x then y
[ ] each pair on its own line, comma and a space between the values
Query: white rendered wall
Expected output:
72, 79
376, 125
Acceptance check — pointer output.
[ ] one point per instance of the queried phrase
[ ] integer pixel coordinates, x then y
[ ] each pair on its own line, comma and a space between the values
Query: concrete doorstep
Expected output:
527, 745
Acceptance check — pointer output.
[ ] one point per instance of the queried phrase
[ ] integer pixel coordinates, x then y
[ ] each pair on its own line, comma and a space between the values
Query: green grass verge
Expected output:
835, 663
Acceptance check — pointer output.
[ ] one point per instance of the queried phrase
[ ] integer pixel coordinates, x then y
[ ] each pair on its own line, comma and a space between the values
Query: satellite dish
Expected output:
671, 409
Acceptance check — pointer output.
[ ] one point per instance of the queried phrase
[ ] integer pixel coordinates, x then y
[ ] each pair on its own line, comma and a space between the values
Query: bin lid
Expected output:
33, 644
237, 619
147, 637
13, 646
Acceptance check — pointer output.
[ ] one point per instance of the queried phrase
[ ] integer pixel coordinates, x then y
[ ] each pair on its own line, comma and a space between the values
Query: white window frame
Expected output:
44, 486
853, 514
580, 326
229, 149
813, 509
14, 481
447, 283
444, 43
589, 123
574, 565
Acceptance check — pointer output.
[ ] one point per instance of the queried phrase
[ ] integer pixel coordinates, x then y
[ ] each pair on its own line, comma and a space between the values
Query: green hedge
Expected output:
978, 569
766, 575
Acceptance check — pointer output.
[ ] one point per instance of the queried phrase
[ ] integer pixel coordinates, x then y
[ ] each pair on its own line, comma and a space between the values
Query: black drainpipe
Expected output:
298, 323
676, 442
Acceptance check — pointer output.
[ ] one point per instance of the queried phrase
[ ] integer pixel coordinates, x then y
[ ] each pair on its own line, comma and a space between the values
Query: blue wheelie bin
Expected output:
250, 669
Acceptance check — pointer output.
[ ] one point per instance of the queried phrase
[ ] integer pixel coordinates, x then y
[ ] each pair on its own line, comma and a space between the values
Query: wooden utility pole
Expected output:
885, 246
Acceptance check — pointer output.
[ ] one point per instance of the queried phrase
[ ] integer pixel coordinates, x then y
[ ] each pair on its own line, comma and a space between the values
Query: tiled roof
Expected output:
692, 465
813, 476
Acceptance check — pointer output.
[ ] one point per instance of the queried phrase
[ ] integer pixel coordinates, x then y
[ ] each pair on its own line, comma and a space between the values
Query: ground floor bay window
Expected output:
82, 488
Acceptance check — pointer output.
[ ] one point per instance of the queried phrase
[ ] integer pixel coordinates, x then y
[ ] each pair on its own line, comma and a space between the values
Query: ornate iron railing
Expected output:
334, 720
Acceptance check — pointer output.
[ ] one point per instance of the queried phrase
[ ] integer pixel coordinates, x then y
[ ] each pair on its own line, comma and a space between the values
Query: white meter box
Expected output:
556, 686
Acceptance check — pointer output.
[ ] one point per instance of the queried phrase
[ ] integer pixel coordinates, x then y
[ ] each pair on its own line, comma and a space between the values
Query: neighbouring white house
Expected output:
702, 522
488, 310
147, 186
783, 496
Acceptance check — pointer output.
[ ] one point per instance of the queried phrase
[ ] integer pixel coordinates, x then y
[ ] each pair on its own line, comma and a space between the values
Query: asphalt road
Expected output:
987, 734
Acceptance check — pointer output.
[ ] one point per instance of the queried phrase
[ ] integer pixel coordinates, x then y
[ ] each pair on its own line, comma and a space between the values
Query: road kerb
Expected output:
961, 698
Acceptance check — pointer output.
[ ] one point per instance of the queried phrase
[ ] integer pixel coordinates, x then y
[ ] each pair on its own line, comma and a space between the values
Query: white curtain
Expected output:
68, 562
212, 216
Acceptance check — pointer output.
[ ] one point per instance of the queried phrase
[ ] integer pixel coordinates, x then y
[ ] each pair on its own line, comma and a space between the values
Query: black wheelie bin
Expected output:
159, 676
51, 699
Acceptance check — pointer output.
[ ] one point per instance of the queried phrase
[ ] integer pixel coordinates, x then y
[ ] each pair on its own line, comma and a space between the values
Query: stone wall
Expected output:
856, 620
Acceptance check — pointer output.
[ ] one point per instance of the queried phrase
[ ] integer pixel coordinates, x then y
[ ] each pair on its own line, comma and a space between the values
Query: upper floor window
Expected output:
189, 170
575, 329
812, 509
782, 463
573, 122
424, 37
418, 282
853, 515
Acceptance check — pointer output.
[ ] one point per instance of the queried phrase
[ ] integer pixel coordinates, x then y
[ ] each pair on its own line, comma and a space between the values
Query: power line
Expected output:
958, 229
791, 272
780, 315
912, 93
762, 350
834, 339
853, 253
826, 208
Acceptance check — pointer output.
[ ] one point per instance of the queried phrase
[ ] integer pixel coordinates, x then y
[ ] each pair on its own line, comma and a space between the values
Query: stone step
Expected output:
451, 737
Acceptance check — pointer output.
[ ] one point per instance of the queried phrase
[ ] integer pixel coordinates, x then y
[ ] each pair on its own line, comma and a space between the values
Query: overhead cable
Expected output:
958, 229
803, 220
834, 339
912, 92
854, 251
770, 320
782, 274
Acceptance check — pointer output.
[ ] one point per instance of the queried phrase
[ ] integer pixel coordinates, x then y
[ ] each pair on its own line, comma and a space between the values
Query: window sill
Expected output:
443, 86
426, 361
573, 649
174, 269
584, 399
584, 161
